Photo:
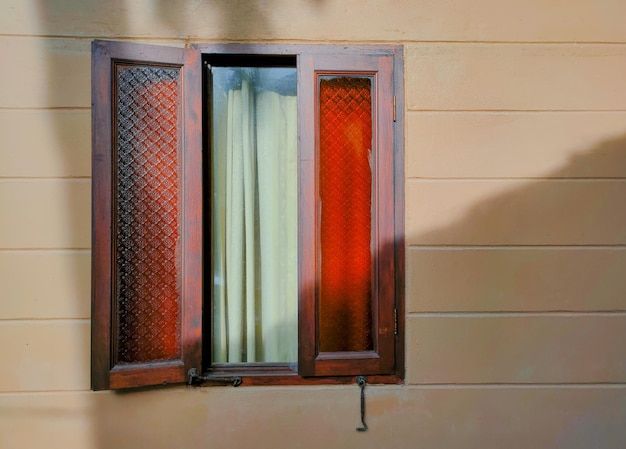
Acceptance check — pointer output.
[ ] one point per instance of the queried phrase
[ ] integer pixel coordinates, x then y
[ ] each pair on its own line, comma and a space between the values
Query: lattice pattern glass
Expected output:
147, 304
345, 195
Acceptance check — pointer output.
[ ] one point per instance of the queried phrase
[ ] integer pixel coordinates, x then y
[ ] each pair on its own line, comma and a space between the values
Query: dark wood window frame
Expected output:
386, 365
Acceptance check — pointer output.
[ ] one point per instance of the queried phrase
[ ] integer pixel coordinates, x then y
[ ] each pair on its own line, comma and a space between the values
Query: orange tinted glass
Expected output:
345, 196
147, 214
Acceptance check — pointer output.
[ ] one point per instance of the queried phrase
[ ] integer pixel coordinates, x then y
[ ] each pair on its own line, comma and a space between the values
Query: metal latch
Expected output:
194, 378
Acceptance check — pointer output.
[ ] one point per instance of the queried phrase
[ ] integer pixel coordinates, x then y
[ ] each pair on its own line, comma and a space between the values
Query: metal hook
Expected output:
361, 381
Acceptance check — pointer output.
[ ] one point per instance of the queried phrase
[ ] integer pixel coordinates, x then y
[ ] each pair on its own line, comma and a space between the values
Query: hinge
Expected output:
394, 108
395, 321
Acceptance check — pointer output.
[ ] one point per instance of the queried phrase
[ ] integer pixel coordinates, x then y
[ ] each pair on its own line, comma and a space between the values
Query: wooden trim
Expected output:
137, 375
282, 374
399, 206
192, 216
101, 216
307, 227
295, 380
253, 48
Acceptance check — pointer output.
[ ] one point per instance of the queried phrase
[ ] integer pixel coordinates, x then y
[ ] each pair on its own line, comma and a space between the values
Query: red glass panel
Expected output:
345, 195
147, 249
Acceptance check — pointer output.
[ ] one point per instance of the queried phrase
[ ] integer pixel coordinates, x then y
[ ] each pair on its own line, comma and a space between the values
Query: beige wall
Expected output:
516, 229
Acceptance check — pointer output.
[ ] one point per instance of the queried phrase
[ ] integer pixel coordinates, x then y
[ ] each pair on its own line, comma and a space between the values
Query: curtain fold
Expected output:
254, 237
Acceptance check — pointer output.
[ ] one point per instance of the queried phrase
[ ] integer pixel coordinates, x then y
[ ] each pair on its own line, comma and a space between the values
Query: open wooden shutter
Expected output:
347, 230
147, 214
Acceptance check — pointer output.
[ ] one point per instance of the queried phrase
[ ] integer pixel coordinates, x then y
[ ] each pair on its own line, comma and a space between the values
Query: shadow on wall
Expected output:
542, 245
81, 16
528, 212
541, 212
574, 211
166, 21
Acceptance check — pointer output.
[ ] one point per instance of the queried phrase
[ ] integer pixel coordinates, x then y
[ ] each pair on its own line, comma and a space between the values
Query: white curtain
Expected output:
254, 237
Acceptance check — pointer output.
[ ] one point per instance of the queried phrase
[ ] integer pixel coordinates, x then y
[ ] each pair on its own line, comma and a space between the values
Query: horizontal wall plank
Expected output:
45, 73
453, 144
526, 280
453, 418
45, 214
61, 290
44, 355
49, 72
533, 20
47, 420
515, 77
520, 349
516, 213
45, 143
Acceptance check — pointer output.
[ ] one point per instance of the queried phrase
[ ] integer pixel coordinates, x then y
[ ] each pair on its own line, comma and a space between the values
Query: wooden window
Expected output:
154, 203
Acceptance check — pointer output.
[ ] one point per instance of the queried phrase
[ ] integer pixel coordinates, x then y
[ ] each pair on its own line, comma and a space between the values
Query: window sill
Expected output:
275, 374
